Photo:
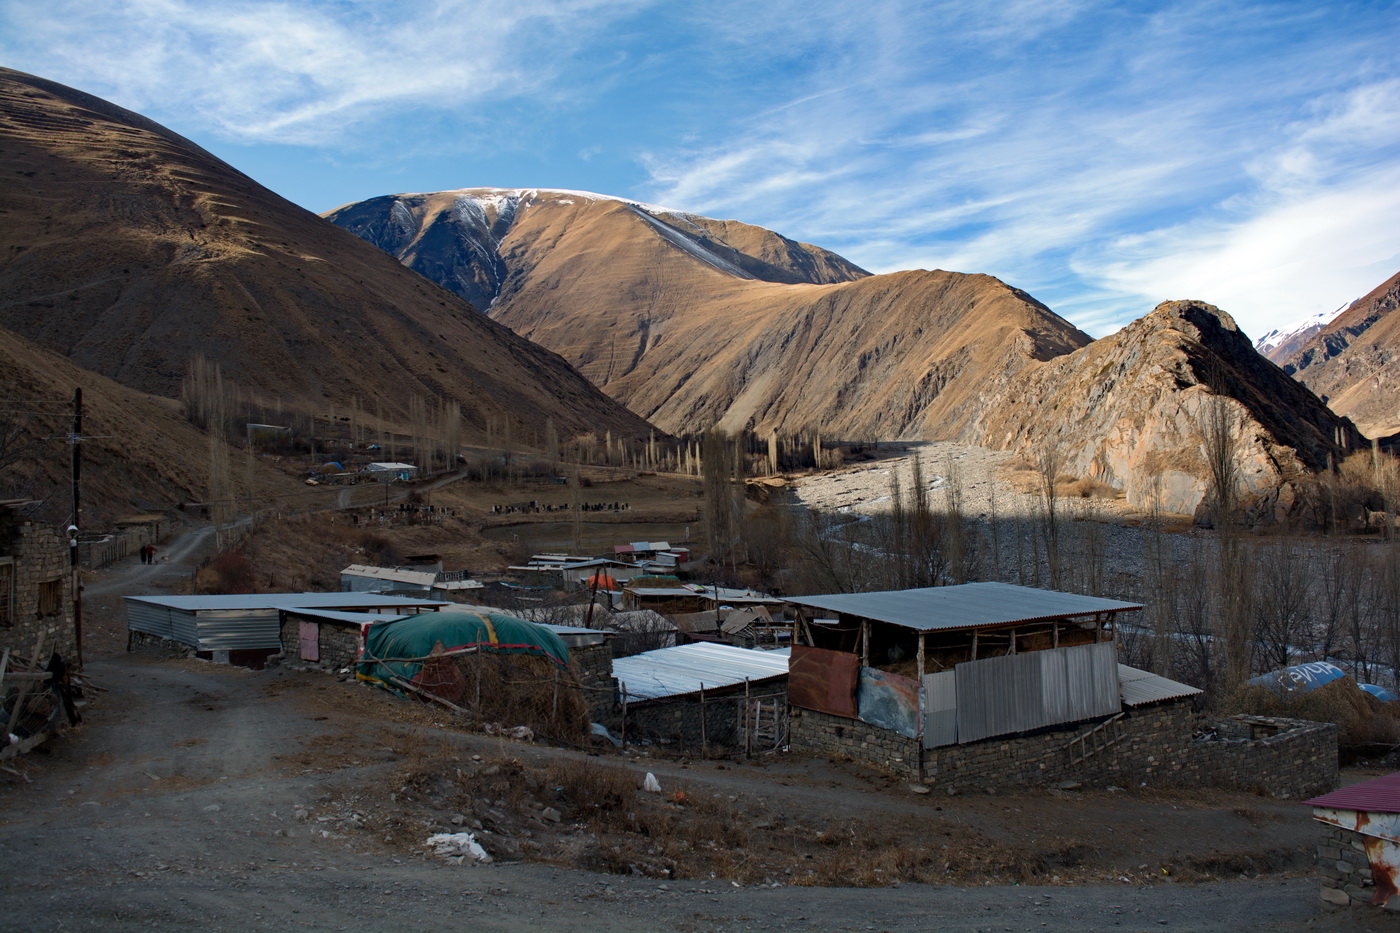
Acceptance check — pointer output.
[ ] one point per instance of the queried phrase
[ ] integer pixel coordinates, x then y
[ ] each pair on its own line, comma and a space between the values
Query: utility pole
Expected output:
75, 443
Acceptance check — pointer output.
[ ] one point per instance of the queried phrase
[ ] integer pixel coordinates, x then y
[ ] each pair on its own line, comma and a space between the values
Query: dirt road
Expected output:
189, 800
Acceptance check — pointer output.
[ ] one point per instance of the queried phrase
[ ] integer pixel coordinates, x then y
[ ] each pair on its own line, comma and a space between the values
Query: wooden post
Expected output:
974, 646
1054, 633
921, 637
1013, 642
623, 687
704, 726
748, 733
865, 643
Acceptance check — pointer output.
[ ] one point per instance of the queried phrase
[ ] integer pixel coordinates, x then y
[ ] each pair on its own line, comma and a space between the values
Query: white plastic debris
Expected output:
522, 733
599, 729
651, 785
457, 845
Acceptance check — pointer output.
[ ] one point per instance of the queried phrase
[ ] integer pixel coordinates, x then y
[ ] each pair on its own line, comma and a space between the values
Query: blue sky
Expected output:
1102, 156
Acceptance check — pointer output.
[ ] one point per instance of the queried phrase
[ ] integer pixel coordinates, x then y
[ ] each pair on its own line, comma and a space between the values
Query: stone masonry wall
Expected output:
339, 644
678, 721
40, 556
592, 665
1160, 745
838, 737
1345, 869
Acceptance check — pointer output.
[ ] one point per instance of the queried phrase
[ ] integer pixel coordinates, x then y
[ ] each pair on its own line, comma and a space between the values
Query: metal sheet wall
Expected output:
823, 680
152, 620
1021, 692
232, 630
941, 709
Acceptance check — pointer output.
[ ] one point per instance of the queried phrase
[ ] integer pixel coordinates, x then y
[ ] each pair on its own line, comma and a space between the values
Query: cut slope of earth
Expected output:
129, 250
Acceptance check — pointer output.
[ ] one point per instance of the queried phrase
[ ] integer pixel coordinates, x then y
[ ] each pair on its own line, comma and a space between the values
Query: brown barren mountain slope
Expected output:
1354, 362
692, 322
1129, 409
128, 249
142, 455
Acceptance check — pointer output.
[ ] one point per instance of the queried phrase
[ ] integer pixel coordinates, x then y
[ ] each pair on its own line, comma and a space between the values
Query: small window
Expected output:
51, 598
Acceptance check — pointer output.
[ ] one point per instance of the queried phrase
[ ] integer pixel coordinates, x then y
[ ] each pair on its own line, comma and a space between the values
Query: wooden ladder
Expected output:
1102, 736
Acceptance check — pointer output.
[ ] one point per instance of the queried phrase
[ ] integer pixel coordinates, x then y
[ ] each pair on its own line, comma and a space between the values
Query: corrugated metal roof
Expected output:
670, 672
418, 577
1140, 687
246, 601
969, 605
1378, 795
334, 615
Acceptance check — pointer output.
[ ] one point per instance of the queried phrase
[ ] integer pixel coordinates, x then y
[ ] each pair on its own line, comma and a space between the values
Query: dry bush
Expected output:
1088, 489
226, 572
595, 789
1363, 722
513, 690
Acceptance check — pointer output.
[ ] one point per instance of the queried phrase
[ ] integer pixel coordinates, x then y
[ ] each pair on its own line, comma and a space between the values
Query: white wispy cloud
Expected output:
1102, 159
304, 72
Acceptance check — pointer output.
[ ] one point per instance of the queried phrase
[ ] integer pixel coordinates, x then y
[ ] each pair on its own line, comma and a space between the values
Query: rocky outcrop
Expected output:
1130, 409
1354, 362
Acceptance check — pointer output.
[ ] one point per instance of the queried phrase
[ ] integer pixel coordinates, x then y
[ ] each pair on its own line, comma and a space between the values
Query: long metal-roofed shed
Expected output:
245, 628
940, 626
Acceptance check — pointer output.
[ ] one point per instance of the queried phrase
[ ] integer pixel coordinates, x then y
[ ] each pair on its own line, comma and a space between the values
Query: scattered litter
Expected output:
651, 785
457, 846
599, 729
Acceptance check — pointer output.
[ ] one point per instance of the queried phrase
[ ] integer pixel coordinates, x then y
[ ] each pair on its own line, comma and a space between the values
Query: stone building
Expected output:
36, 593
1359, 856
987, 686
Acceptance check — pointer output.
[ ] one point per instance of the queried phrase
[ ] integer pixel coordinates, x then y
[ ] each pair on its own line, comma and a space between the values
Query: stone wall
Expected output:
1163, 745
41, 593
592, 665
838, 737
1345, 868
687, 723
339, 644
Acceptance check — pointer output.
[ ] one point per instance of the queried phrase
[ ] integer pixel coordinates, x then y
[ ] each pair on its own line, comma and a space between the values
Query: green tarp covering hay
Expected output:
419, 636
497, 668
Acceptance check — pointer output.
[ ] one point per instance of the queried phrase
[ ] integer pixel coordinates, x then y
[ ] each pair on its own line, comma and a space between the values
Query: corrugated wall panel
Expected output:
232, 630
941, 715
999, 695
152, 620
1022, 692
1092, 681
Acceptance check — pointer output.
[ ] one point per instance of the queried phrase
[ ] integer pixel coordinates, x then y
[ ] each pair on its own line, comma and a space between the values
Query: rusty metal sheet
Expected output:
823, 680
889, 701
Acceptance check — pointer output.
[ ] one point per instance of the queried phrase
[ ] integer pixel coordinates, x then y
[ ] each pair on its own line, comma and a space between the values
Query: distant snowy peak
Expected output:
509, 199
1278, 343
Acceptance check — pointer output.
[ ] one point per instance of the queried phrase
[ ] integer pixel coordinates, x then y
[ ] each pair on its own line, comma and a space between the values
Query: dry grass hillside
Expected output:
1354, 362
692, 322
1131, 409
142, 456
129, 250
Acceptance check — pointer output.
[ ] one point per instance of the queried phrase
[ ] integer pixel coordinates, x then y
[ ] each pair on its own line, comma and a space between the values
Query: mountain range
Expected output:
691, 321
129, 251
1353, 360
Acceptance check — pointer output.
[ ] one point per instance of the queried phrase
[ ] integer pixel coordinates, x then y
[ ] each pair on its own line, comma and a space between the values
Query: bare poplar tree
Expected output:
1047, 468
